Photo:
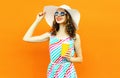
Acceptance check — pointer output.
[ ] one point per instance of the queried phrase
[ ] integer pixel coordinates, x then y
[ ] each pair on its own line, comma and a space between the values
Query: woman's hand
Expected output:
40, 16
67, 55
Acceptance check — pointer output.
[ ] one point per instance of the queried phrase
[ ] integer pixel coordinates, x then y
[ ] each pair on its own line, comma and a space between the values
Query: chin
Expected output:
60, 22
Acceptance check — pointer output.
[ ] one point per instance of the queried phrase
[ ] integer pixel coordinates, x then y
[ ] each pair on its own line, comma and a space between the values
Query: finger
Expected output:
68, 52
67, 56
40, 14
44, 12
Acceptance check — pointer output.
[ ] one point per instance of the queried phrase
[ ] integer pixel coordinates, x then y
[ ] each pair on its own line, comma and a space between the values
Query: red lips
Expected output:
59, 19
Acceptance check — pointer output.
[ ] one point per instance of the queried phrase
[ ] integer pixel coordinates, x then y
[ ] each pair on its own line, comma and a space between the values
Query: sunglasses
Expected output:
59, 13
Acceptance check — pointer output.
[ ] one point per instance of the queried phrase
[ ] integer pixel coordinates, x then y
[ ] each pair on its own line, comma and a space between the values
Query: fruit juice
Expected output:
65, 47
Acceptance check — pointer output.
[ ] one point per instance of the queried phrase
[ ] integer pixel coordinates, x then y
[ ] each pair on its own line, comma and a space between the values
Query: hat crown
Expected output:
65, 7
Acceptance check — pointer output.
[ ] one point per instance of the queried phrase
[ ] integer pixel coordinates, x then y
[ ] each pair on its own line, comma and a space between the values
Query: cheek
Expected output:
63, 20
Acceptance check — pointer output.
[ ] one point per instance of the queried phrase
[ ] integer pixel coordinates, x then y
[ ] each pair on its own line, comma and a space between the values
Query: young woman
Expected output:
64, 22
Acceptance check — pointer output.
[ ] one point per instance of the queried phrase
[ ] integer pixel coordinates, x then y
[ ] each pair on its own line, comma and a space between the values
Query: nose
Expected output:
58, 15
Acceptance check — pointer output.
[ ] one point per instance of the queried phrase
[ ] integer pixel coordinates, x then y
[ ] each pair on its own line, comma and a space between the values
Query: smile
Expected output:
59, 19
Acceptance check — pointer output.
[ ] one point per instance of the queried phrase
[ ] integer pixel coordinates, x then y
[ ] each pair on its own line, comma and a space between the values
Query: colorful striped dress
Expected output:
60, 67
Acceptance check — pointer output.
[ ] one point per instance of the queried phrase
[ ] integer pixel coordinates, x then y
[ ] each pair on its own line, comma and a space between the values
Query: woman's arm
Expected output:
28, 35
78, 51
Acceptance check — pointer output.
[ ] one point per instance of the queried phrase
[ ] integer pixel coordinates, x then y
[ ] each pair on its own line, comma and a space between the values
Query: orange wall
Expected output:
99, 30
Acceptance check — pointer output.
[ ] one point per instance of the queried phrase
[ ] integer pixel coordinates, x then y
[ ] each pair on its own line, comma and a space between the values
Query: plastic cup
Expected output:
65, 47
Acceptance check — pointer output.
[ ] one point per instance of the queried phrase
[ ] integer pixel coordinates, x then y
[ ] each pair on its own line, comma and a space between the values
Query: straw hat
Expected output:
50, 10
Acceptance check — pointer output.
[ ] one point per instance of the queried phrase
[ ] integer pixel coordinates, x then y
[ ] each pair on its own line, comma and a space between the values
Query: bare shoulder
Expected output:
77, 37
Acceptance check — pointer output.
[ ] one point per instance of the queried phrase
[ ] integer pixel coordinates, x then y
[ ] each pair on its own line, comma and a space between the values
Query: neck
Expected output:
62, 28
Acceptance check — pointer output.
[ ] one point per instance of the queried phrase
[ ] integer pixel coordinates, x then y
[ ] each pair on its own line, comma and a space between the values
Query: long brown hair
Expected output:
70, 27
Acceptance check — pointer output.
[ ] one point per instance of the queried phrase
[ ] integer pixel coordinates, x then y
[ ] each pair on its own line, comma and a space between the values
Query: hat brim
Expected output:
50, 10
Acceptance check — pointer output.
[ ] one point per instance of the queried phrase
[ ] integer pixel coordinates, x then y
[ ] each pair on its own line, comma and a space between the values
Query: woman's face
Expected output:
60, 16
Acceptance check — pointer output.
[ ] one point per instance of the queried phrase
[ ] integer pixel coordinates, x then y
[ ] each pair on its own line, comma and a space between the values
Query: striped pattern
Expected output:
59, 66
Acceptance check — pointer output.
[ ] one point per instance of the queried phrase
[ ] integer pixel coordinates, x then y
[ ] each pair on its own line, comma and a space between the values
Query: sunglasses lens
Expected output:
56, 13
62, 13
